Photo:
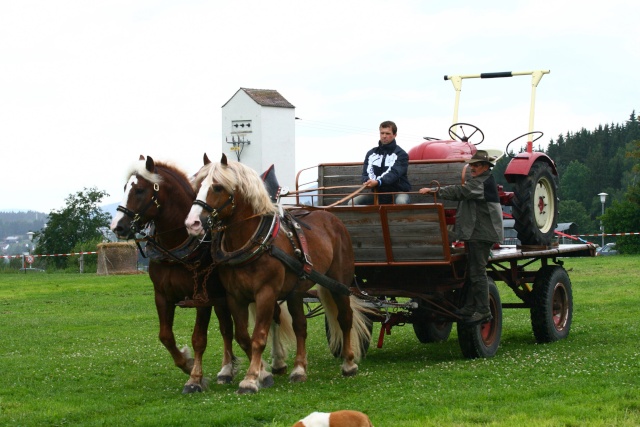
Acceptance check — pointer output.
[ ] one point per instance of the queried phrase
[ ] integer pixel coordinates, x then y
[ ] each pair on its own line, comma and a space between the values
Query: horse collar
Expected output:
259, 243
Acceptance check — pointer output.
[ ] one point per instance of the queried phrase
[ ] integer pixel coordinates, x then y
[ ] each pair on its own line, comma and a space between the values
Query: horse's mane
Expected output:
197, 178
139, 168
239, 178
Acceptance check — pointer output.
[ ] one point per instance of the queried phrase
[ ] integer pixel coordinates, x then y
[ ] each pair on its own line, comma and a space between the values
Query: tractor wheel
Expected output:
552, 307
535, 205
428, 332
483, 340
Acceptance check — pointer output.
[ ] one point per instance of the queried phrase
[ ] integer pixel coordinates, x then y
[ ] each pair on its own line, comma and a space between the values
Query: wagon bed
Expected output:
411, 270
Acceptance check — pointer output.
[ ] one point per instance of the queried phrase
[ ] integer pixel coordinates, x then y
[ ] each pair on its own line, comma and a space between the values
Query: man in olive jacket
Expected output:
479, 225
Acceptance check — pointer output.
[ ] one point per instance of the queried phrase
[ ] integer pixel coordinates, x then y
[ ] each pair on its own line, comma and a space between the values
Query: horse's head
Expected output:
140, 202
229, 187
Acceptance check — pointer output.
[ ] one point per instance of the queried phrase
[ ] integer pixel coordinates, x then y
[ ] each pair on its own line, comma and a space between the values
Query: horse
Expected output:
249, 233
157, 197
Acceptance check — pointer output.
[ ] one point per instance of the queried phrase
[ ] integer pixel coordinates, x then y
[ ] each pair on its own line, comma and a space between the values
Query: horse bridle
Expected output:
213, 219
137, 216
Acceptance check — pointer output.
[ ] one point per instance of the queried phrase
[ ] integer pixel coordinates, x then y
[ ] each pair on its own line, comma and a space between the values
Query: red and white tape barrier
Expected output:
609, 234
46, 255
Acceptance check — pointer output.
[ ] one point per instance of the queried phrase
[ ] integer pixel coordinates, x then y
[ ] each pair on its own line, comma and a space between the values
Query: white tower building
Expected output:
258, 128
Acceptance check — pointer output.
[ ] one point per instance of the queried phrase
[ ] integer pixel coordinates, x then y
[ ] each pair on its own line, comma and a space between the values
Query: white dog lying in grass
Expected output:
335, 419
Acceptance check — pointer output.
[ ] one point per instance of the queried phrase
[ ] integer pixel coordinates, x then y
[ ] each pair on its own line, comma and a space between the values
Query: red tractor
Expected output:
534, 200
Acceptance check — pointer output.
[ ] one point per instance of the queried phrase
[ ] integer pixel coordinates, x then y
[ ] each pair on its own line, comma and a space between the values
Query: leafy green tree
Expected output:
77, 222
89, 261
573, 211
624, 217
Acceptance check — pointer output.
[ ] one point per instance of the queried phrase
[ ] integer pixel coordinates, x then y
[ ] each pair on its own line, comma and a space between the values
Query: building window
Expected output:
240, 126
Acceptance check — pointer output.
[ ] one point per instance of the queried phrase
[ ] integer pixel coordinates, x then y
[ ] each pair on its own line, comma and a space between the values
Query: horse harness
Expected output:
262, 242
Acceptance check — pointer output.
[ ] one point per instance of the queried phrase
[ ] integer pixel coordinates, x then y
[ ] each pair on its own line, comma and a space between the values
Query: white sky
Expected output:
88, 86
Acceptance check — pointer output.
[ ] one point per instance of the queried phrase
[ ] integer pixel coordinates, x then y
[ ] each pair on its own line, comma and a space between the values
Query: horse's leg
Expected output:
166, 313
240, 313
199, 343
299, 321
345, 320
256, 375
229, 361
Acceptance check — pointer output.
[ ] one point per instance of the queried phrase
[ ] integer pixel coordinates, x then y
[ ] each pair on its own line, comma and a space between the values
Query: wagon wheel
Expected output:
338, 352
464, 137
552, 304
429, 331
483, 340
535, 205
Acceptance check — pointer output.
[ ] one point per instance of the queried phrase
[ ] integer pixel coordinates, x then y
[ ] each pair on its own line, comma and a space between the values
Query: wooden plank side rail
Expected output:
392, 234
421, 173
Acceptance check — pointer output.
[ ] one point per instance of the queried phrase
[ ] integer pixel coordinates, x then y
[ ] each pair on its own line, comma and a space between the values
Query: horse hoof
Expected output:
224, 379
267, 381
349, 369
350, 372
191, 388
247, 387
279, 371
298, 378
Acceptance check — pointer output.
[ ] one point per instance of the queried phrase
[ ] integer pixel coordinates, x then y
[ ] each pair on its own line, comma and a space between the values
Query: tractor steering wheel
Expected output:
535, 132
464, 137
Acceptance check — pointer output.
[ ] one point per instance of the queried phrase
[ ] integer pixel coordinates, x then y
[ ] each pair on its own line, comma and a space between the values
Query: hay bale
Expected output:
117, 258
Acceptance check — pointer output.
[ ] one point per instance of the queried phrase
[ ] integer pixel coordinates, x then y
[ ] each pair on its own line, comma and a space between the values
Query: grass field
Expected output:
83, 350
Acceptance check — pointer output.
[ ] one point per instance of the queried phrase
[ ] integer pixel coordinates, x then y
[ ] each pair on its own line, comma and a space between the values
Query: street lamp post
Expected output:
603, 198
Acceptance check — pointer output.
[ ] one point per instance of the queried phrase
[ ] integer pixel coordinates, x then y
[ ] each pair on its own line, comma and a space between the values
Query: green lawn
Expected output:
83, 350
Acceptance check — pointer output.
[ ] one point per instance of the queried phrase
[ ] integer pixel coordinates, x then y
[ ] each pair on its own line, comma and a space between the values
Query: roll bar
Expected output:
536, 76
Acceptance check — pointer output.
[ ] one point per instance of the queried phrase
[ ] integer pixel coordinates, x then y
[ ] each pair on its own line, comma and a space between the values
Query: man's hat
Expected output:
482, 156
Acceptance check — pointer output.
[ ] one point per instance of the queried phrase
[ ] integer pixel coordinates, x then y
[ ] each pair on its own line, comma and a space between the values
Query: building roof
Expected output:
265, 97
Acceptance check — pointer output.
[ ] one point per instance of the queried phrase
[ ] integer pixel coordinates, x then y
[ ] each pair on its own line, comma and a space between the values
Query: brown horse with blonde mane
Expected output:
157, 197
249, 231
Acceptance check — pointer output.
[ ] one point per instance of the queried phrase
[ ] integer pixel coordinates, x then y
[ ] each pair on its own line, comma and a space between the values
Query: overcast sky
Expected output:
88, 86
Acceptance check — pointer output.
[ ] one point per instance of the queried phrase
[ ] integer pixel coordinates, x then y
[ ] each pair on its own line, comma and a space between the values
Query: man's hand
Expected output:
371, 183
427, 190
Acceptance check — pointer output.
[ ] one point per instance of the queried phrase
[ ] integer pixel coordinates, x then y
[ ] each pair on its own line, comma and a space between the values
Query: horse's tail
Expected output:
281, 334
287, 337
360, 329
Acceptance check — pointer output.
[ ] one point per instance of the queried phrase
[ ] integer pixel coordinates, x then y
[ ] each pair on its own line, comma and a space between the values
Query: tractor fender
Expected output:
520, 165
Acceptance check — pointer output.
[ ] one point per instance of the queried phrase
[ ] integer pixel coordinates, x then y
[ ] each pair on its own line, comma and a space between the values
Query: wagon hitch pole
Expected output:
536, 76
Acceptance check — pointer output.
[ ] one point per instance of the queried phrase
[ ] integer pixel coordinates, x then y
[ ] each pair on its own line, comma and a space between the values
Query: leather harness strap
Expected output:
307, 265
296, 266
